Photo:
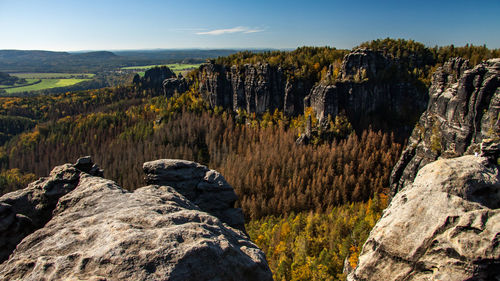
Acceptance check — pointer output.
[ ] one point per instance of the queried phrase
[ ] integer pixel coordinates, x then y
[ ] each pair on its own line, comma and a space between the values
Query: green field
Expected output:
45, 84
175, 67
53, 75
29, 81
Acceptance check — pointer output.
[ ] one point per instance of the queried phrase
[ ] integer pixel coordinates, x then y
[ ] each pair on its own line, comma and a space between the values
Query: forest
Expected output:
257, 155
308, 206
417, 60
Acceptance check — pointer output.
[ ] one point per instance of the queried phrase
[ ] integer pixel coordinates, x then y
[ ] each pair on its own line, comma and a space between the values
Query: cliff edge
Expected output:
443, 226
75, 224
463, 111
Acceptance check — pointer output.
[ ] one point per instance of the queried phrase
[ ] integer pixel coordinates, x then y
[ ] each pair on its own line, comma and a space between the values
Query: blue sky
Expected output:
149, 24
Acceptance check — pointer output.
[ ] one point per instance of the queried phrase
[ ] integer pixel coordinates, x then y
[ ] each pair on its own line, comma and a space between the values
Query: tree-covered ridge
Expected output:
309, 63
8, 80
415, 60
92, 62
415, 54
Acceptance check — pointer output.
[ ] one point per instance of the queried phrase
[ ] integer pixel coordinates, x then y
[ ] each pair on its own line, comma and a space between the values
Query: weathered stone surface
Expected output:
364, 63
252, 87
204, 187
443, 226
174, 85
463, 110
99, 231
154, 77
26, 210
369, 92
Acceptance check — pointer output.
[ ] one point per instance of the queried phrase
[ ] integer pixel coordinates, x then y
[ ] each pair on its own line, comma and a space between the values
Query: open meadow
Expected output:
43, 81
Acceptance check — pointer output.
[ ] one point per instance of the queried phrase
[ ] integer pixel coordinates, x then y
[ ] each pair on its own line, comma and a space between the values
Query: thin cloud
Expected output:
188, 29
238, 29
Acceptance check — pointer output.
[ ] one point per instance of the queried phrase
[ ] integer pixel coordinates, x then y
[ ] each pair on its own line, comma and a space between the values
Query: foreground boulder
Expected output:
204, 187
444, 226
24, 211
98, 231
463, 111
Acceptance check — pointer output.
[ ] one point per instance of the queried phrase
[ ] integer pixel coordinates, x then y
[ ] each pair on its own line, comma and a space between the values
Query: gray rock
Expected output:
369, 91
24, 211
204, 187
252, 87
490, 148
463, 110
98, 231
174, 85
154, 77
443, 226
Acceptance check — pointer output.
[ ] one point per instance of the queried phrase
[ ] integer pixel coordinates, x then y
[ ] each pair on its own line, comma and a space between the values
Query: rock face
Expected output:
443, 226
24, 211
174, 85
463, 111
204, 187
369, 91
95, 230
154, 77
254, 88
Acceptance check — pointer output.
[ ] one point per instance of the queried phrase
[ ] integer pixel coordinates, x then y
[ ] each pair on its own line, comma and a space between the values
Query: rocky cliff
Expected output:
154, 78
443, 226
463, 110
76, 225
175, 85
369, 90
254, 88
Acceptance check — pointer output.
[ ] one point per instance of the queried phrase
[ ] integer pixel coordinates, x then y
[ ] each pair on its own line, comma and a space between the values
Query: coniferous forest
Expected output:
308, 206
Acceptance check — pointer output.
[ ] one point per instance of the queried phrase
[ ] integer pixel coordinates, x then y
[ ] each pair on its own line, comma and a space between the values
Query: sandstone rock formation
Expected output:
154, 77
174, 85
254, 88
463, 110
91, 229
369, 91
204, 187
24, 211
443, 226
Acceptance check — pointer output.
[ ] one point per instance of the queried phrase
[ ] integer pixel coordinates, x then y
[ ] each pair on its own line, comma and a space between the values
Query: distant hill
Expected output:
47, 61
95, 55
184, 55
94, 61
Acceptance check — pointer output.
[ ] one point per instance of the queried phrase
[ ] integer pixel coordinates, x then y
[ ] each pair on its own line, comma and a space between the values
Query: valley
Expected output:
314, 141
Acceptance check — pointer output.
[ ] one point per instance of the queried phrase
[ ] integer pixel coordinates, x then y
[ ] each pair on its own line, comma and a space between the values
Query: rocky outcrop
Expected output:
463, 110
443, 226
370, 92
252, 87
369, 89
24, 211
174, 85
154, 77
94, 230
204, 187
